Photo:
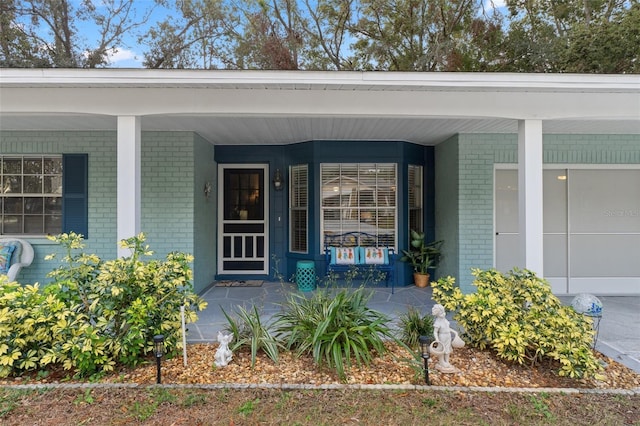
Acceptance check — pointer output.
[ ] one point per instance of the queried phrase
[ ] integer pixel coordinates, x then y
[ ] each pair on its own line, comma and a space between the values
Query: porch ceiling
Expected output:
267, 107
270, 130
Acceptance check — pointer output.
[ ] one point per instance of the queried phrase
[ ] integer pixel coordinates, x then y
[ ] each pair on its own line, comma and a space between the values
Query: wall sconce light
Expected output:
278, 180
425, 342
207, 189
158, 350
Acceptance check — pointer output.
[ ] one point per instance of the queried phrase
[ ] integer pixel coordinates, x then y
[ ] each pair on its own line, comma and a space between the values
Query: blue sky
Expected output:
130, 55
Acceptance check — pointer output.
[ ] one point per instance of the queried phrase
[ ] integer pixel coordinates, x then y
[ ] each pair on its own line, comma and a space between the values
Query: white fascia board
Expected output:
207, 101
325, 80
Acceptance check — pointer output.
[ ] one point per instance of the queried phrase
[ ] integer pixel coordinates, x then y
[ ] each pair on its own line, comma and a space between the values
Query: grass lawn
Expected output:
196, 406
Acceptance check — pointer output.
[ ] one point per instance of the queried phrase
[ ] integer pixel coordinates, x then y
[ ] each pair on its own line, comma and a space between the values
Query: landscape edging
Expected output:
285, 386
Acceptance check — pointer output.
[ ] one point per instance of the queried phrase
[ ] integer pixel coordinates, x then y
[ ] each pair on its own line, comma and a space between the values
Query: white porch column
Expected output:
530, 194
129, 186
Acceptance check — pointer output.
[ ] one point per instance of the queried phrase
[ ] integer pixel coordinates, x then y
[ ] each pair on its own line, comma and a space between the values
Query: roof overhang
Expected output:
280, 107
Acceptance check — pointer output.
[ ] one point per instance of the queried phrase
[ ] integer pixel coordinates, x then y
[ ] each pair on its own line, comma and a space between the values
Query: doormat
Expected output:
239, 283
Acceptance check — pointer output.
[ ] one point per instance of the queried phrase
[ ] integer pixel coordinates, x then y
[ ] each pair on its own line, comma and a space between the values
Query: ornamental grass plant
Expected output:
334, 326
249, 331
414, 324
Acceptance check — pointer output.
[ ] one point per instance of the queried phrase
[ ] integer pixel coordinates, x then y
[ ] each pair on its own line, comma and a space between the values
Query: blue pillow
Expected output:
6, 251
374, 256
17, 253
343, 255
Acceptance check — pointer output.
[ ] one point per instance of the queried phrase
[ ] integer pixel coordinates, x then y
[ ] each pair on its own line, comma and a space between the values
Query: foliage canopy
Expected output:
398, 35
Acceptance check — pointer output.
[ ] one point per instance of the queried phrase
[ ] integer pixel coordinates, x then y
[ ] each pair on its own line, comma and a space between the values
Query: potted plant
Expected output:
422, 256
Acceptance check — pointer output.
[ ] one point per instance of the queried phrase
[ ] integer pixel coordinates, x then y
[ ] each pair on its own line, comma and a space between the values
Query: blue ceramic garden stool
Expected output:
306, 275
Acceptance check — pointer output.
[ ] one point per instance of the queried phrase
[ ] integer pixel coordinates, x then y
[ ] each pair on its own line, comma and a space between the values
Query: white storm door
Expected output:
243, 219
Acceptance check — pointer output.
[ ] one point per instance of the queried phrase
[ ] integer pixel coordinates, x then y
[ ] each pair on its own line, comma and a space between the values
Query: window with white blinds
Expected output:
359, 197
415, 195
298, 208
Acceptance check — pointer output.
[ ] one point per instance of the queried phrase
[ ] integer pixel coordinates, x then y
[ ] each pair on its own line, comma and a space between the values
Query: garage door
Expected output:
591, 229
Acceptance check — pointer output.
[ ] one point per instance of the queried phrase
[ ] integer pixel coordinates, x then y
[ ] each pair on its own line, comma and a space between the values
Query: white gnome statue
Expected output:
444, 342
223, 354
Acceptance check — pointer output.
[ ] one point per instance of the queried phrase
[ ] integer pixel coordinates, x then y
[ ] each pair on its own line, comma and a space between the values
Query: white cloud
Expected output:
123, 58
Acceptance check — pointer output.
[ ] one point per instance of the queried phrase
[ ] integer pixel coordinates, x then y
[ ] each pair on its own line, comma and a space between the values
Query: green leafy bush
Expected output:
413, 325
25, 326
96, 314
334, 326
516, 315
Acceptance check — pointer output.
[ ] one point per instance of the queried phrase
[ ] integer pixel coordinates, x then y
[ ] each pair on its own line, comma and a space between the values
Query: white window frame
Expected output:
6, 195
339, 183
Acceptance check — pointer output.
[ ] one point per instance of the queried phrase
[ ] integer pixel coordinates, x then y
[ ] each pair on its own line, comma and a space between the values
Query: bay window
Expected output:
359, 197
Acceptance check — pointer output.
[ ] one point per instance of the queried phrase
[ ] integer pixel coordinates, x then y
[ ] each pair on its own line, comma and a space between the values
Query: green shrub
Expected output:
413, 325
334, 327
249, 331
37, 326
24, 326
96, 314
516, 315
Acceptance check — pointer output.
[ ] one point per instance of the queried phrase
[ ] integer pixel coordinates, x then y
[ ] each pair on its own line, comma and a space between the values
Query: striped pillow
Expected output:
6, 251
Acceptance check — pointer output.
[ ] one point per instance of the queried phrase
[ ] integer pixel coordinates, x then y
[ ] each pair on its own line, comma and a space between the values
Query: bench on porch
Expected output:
361, 251
15, 254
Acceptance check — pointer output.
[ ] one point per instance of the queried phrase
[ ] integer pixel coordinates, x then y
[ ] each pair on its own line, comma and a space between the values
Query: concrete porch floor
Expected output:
619, 336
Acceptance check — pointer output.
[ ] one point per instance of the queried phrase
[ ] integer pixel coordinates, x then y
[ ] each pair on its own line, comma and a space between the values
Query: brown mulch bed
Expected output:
477, 369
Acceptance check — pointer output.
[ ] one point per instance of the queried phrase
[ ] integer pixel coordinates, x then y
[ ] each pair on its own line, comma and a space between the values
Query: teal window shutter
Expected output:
75, 194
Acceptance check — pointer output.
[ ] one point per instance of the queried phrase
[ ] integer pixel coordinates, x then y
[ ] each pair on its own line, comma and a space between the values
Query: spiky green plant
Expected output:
413, 325
249, 331
334, 327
